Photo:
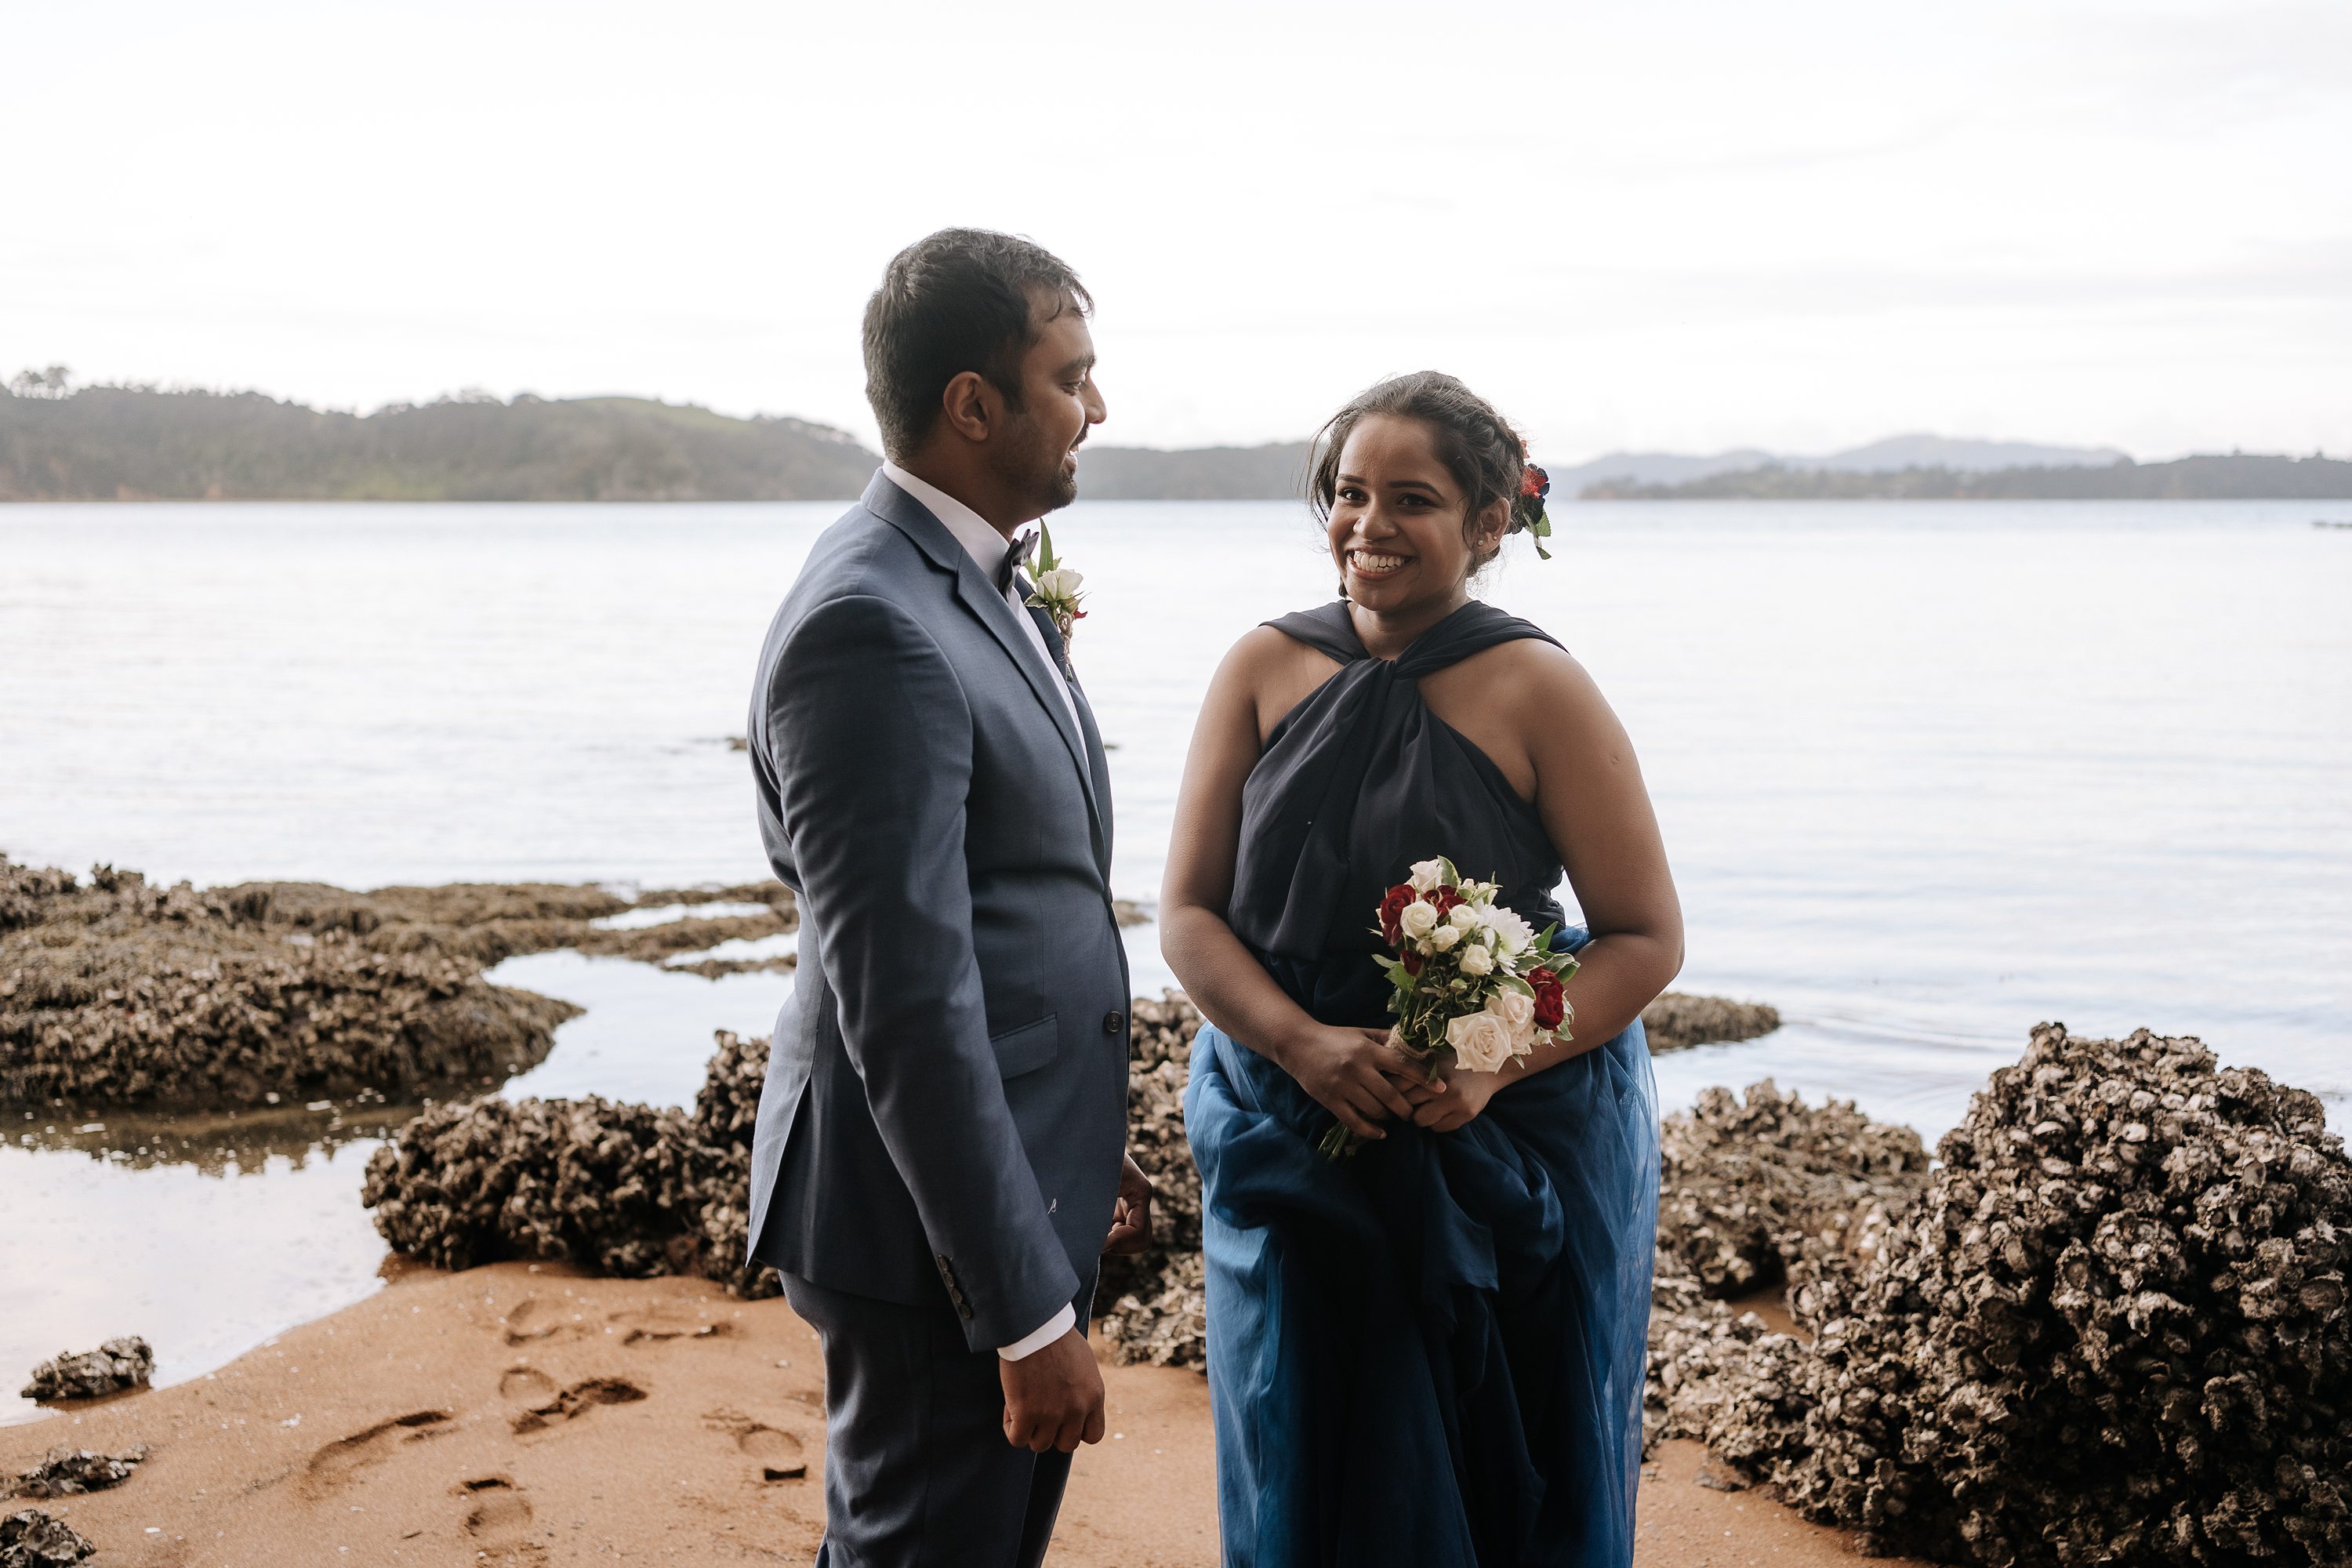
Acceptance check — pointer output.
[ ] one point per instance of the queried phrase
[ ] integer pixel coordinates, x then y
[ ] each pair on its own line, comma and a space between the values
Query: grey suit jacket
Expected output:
946, 1101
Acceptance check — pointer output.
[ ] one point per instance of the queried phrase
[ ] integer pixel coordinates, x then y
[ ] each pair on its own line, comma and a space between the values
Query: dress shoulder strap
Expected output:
1326, 628
1473, 628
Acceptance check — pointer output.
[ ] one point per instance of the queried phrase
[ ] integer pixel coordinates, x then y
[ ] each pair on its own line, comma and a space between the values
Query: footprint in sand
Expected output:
497, 1517
526, 1385
575, 1402
657, 1323
780, 1455
334, 1466
533, 1318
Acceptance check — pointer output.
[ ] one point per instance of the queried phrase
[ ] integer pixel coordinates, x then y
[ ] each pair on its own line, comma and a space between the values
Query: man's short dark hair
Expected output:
957, 300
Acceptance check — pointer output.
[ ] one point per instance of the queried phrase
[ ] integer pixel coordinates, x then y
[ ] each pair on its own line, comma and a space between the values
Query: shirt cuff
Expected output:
1054, 1328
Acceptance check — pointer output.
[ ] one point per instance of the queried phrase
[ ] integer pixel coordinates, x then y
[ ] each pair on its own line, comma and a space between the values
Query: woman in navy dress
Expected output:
1430, 1351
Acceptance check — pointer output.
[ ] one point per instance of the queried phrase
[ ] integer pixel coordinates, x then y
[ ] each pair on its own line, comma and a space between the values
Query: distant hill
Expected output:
1895, 453
2237, 477
105, 443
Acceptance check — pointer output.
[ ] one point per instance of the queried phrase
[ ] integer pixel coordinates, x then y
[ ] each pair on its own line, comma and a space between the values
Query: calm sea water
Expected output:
1929, 774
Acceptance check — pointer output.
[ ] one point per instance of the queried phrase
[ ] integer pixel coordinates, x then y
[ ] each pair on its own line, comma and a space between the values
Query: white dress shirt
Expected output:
988, 549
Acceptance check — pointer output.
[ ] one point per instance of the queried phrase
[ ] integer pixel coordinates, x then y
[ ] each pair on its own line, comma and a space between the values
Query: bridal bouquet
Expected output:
1471, 983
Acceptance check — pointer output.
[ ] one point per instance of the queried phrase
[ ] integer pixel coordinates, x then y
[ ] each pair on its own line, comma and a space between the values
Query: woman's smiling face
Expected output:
1396, 526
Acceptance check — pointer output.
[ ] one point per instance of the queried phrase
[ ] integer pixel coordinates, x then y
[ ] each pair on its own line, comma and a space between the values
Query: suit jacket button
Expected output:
1114, 1022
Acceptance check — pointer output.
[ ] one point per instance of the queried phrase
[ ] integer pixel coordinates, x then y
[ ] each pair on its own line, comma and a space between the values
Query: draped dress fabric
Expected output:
1431, 1352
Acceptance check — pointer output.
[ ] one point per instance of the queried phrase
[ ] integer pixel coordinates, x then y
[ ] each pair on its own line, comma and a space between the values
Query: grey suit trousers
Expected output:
917, 1470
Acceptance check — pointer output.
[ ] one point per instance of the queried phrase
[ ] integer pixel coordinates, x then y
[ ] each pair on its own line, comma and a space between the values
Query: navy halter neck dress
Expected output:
1431, 1352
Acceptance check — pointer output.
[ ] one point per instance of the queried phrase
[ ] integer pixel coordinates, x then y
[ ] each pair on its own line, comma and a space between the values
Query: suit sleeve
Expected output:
872, 743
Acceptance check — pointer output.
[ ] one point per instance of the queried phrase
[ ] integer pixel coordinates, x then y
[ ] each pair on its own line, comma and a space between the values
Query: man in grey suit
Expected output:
940, 1158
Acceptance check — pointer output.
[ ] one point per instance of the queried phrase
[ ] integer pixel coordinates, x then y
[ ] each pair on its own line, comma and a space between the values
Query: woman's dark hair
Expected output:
1479, 449
956, 301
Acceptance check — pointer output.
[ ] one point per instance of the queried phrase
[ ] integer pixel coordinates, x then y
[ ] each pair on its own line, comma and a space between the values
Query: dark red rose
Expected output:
1551, 998
1444, 899
1392, 905
1412, 963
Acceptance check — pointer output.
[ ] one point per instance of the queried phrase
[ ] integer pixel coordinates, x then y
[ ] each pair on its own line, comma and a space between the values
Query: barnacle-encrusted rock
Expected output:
1153, 1305
117, 1365
116, 992
2113, 1330
31, 1539
1755, 1192
66, 1471
1758, 1191
1675, 1021
119, 992
623, 1189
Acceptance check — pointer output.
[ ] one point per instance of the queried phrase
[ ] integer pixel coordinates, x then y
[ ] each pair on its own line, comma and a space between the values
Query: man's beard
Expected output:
1038, 476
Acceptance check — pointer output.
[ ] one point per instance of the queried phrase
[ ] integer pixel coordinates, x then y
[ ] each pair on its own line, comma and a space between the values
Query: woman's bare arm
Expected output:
1342, 1068
1596, 809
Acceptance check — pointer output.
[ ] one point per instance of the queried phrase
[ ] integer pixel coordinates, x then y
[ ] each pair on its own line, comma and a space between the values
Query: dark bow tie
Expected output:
1015, 559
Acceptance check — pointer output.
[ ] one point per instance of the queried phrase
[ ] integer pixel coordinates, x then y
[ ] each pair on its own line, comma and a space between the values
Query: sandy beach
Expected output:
525, 1414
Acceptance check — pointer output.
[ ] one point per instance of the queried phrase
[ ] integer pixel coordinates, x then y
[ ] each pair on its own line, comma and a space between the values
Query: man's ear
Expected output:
969, 404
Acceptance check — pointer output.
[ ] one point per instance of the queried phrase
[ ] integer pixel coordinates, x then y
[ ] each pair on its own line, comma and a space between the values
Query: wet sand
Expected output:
524, 1415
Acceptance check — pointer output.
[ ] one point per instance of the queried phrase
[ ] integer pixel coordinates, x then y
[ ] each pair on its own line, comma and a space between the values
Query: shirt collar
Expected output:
979, 538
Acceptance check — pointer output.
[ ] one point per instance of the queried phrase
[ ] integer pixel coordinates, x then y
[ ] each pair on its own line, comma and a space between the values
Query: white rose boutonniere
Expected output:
1056, 587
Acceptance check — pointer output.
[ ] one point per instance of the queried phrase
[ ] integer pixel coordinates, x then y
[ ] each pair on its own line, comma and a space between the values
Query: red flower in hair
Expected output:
1392, 908
1535, 484
1551, 998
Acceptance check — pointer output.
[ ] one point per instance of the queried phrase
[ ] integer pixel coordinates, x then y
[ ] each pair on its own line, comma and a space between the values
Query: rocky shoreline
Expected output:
2113, 1312
119, 993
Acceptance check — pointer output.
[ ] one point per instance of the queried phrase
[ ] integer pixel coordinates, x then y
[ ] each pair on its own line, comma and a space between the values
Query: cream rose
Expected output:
1517, 1012
1443, 938
1477, 960
1060, 582
1417, 920
1463, 917
1481, 1042
1426, 875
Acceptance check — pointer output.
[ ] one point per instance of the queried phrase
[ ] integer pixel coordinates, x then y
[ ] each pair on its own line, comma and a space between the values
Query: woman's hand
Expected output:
1348, 1072
1455, 1101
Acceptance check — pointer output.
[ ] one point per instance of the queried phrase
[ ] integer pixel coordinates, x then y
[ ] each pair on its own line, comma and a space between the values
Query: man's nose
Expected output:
1097, 411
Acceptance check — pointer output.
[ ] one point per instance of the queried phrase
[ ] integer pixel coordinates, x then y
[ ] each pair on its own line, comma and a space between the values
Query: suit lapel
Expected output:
912, 517
1098, 758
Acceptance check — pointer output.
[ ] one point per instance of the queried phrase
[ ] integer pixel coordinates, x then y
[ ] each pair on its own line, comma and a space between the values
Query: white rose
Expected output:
1443, 938
1516, 1010
1481, 1042
1060, 582
1477, 960
1417, 920
1512, 933
1426, 875
1463, 917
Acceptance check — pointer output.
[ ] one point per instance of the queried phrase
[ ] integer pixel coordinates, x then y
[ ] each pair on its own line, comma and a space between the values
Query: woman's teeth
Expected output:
1372, 563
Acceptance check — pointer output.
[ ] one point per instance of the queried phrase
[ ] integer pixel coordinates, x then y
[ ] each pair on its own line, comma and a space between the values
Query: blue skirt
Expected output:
1431, 1352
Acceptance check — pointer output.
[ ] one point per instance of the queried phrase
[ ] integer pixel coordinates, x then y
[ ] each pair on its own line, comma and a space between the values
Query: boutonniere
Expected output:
1057, 587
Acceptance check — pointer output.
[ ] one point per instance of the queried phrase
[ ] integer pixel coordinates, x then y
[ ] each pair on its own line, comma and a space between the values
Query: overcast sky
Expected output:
1668, 224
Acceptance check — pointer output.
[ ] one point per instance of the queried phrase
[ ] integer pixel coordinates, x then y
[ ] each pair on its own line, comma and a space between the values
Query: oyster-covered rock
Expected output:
113, 1367
31, 1539
623, 1189
66, 1471
1153, 1307
116, 992
1675, 1022
1767, 1189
